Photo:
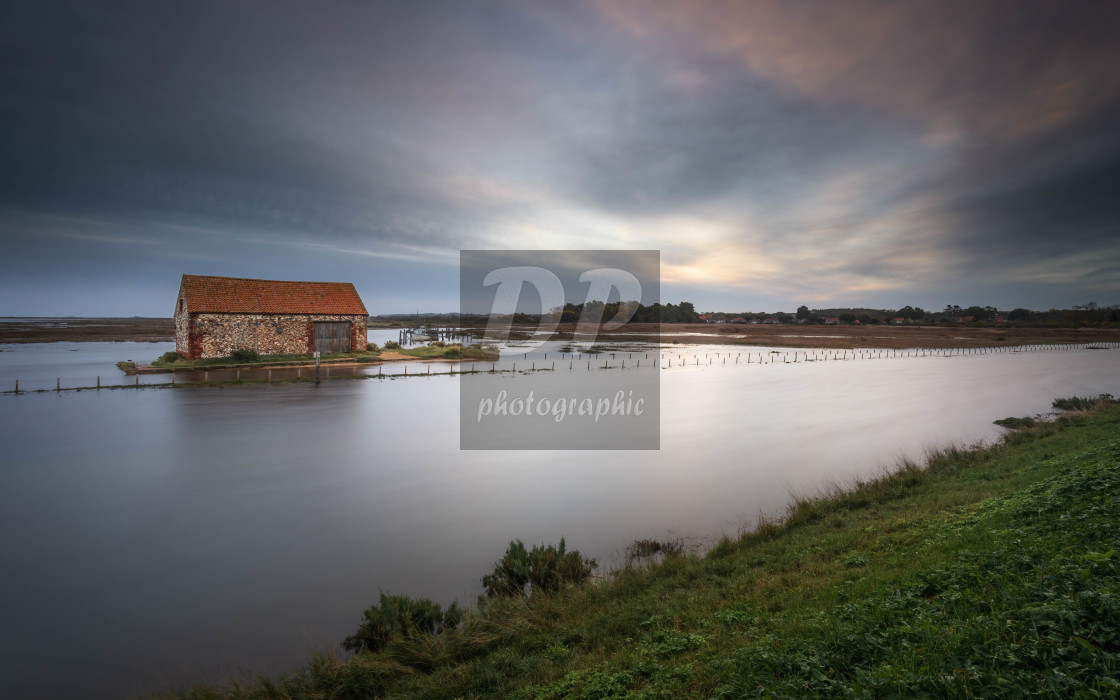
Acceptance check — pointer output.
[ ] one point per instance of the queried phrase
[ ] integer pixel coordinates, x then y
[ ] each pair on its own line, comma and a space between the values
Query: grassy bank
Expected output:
979, 572
450, 351
169, 361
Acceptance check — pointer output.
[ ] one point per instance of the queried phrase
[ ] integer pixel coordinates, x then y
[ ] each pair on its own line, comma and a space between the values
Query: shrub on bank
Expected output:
392, 345
167, 358
479, 352
1080, 403
541, 568
400, 616
244, 355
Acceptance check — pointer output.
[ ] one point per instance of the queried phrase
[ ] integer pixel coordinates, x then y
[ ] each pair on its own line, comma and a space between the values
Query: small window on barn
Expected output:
180, 306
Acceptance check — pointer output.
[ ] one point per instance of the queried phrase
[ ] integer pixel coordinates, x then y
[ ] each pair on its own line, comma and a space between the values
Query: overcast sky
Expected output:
778, 154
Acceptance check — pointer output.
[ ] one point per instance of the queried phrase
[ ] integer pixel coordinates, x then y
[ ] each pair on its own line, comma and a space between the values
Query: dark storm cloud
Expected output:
845, 152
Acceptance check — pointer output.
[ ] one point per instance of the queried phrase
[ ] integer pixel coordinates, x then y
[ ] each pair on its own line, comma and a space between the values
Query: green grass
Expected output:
987, 571
264, 361
452, 351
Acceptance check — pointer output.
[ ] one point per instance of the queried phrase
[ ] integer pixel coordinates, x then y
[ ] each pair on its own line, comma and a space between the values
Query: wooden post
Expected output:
98, 381
17, 387
172, 379
270, 376
238, 375
429, 369
58, 382
138, 381
206, 376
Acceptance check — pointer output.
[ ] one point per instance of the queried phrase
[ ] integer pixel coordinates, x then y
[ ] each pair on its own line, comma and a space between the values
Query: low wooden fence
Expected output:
566, 362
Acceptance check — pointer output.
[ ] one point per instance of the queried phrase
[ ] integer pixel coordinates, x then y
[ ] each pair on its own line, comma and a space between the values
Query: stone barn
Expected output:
216, 315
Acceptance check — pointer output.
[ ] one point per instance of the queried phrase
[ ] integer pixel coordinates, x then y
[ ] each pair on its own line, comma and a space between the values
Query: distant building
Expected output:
216, 315
832, 320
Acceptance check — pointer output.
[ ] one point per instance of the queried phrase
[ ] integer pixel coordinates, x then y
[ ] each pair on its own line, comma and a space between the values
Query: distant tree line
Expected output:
684, 312
1091, 314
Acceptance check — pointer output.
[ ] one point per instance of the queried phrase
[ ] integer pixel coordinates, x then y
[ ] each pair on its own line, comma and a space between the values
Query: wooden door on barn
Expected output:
332, 336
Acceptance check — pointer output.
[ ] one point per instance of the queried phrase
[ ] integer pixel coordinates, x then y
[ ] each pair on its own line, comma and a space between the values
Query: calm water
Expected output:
157, 538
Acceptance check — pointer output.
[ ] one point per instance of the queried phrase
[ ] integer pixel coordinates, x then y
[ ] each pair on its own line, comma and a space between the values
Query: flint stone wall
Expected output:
217, 335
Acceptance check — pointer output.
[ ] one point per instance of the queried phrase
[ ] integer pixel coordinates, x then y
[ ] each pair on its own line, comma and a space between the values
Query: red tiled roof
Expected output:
233, 295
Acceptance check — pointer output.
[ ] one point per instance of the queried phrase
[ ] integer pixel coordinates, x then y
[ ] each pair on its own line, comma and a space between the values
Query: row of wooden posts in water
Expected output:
667, 360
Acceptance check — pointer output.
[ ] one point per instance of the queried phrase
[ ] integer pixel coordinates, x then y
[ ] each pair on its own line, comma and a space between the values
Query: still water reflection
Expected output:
157, 538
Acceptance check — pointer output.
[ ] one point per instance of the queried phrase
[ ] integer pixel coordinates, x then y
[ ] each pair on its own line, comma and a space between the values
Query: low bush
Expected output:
244, 355
400, 616
1013, 423
479, 352
372, 347
167, 358
1080, 403
127, 366
640, 549
542, 568
392, 345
